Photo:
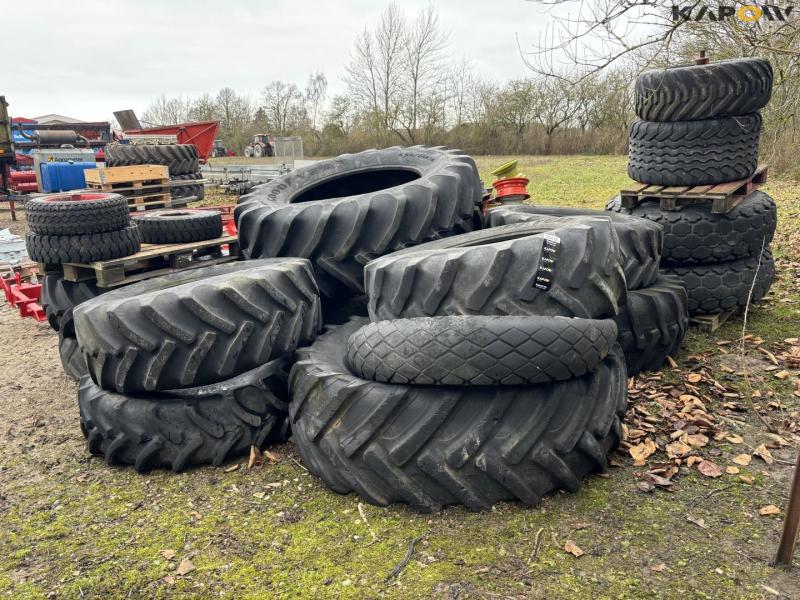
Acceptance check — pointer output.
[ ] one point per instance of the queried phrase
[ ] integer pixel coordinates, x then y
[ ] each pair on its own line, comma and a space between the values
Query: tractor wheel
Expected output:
258, 151
248, 152
342, 213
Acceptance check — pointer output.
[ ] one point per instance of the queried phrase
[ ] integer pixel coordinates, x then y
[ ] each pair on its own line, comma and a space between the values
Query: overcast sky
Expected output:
86, 59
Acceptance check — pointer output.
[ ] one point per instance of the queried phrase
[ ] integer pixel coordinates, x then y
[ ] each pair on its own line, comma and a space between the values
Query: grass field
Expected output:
72, 527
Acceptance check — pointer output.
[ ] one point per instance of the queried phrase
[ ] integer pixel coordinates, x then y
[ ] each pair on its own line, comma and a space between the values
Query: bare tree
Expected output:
236, 117
166, 111
423, 45
316, 89
283, 107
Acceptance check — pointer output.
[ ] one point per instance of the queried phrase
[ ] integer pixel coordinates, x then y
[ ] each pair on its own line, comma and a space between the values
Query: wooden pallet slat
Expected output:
107, 175
724, 197
710, 323
153, 260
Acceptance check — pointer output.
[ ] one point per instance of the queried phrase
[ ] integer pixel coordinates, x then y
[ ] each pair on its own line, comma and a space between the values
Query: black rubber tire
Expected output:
183, 428
196, 190
694, 152
59, 297
725, 286
432, 446
178, 158
695, 235
198, 326
77, 213
72, 360
56, 249
639, 239
692, 92
497, 271
479, 350
652, 324
375, 210
175, 226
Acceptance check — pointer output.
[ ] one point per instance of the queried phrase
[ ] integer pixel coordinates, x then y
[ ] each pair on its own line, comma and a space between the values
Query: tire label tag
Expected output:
547, 262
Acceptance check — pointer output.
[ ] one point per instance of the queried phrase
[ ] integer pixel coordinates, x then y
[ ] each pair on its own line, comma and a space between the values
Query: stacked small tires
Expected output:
652, 323
191, 368
179, 225
700, 125
181, 160
79, 227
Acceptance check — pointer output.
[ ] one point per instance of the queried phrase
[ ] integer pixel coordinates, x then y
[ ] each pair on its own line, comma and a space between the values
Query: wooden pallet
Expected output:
724, 197
145, 186
151, 261
710, 323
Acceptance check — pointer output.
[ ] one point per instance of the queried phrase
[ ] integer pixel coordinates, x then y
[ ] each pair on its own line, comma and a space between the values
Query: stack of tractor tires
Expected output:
181, 160
191, 368
488, 370
700, 126
79, 227
652, 323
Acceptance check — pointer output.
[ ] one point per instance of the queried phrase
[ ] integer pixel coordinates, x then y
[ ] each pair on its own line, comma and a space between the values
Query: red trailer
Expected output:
201, 134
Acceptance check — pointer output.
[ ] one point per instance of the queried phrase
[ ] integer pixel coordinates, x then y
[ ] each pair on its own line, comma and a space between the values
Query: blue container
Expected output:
64, 176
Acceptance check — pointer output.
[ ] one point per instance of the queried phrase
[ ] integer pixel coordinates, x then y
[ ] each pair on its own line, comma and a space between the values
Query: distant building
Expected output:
56, 120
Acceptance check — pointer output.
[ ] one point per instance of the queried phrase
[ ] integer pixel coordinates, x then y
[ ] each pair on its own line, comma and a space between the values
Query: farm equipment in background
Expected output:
263, 145
200, 133
219, 150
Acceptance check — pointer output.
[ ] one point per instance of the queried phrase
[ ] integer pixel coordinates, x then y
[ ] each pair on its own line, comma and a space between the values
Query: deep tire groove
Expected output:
183, 329
183, 428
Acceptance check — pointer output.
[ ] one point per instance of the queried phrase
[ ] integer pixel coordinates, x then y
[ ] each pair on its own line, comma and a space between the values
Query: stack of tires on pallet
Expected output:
77, 227
488, 368
180, 159
700, 125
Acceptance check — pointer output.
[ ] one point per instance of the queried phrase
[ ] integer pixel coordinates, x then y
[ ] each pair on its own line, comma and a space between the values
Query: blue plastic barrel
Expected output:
64, 176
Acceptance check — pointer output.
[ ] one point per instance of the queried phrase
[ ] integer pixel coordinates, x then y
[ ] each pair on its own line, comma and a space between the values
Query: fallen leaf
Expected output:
732, 470
747, 480
185, 567
256, 458
640, 452
743, 460
769, 509
579, 526
697, 440
694, 378
272, 457
783, 374
692, 460
572, 548
659, 567
647, 486
699, 522
232, 468
764, 454
678, 449
734, 439
709, 468
168, 554
169, 580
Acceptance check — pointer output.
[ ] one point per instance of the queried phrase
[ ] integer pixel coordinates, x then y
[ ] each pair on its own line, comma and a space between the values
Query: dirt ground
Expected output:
72, 527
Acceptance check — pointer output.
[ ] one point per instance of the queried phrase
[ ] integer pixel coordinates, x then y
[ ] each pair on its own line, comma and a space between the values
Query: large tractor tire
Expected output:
431, 446
187, 427
639, 240
178, 158
693, 92
553, 268
342, 213
198, 326
77, 213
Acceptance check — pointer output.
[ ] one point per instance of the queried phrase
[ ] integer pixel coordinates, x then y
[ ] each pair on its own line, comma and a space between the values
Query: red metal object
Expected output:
202, 134
100, 156
24, 296
513, 186
25, 188
21, 177
228, 222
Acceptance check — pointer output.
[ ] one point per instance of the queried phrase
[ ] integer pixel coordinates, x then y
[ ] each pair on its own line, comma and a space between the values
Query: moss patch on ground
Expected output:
72, 527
